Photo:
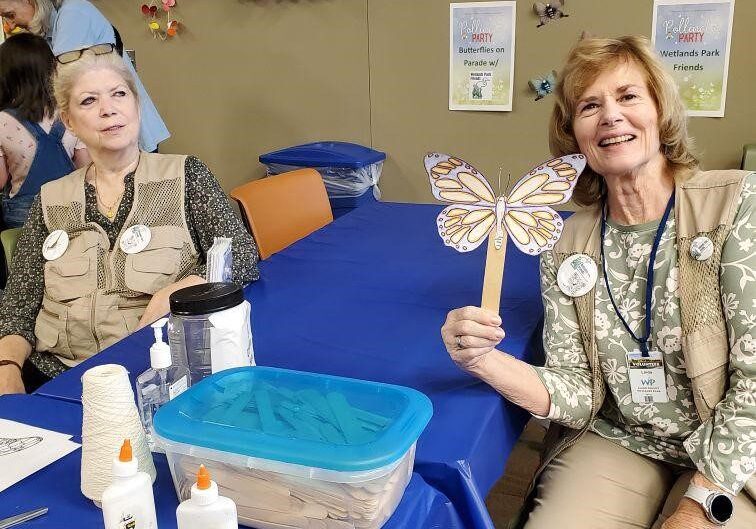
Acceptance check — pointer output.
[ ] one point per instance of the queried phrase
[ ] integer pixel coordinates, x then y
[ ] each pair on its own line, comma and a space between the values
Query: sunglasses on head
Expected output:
75, 55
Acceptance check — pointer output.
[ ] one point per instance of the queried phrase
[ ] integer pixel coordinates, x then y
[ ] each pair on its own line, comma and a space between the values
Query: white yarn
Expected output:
110, 416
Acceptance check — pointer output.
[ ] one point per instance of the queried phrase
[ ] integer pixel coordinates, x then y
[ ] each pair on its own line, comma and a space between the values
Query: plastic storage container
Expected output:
209, 329
295, 449
350, 171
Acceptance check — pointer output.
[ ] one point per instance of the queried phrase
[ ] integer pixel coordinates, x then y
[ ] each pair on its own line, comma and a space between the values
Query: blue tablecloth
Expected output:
57, 486
365, 297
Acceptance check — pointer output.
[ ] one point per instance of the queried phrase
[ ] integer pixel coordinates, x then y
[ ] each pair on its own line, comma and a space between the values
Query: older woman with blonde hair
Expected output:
650, 375
106, 245
76, 24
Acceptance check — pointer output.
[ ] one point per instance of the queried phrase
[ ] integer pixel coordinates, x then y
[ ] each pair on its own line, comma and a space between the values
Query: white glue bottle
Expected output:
128, 501
205, 508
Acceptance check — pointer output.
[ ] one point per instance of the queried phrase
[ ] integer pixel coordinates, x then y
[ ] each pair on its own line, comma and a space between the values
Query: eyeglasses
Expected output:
75, 55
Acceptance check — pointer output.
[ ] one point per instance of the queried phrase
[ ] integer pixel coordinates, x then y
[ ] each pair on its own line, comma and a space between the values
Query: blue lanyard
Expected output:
642, 342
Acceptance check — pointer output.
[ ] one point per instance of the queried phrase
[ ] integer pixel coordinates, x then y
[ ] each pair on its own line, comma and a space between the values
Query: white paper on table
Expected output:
231, 338
26, 449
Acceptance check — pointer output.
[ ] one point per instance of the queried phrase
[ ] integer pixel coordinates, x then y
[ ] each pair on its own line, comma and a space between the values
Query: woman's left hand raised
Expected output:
159, 306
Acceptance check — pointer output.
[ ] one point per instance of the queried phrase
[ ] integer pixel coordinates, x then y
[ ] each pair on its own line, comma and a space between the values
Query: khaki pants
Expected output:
597, 483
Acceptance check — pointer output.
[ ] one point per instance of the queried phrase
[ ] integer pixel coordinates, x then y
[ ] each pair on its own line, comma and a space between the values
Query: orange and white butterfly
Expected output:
524, 213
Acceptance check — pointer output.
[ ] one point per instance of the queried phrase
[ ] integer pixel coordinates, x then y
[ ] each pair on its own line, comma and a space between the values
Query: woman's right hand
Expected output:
469, 334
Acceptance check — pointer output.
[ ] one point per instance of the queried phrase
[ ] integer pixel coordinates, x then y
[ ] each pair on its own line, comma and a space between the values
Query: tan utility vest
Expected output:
705, 204
95, 295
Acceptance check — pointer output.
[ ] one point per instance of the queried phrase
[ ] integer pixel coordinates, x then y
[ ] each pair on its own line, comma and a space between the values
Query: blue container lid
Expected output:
325, 154
308, 419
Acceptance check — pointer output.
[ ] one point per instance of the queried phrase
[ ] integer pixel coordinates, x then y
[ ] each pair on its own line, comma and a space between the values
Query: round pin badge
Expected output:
55, 245
701, 248
135, 239
577, 275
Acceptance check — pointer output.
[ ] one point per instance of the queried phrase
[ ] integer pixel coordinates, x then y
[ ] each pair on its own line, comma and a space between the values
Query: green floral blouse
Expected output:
723, 448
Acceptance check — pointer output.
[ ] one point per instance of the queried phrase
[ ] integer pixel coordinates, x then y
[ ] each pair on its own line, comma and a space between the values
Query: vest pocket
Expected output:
156, 266
706, 363
74, 274
50, 331
46, 329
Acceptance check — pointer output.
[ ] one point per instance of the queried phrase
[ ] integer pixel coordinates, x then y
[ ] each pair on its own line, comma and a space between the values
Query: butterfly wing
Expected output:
548, 184
456, 181
533, 230
535, 83
465, 227
532, 224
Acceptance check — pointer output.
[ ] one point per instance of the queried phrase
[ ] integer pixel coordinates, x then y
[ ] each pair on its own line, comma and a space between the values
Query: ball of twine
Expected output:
110, 416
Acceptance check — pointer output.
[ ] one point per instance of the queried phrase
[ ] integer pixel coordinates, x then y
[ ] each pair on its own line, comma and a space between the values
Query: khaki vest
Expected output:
94, 295
705, 204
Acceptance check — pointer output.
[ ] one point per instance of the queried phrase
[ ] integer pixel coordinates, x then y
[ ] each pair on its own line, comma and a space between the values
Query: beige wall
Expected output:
248, 76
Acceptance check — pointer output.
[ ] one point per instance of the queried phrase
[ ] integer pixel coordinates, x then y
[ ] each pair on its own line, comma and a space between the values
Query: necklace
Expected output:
112, 209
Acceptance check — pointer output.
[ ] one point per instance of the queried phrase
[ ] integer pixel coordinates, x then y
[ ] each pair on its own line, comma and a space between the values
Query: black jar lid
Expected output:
205, 299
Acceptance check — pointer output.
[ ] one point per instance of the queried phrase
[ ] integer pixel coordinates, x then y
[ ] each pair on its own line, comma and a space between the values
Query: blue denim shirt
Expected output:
78, 24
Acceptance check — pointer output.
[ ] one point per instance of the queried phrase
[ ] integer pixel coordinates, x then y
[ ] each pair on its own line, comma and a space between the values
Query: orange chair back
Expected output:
283, 208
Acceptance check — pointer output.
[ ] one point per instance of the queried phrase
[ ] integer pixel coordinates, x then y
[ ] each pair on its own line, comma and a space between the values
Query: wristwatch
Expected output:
717, 505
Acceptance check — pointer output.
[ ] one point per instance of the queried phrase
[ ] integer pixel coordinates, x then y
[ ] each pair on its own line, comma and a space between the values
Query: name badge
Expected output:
135, 239
647, 380
577, 275
55, 245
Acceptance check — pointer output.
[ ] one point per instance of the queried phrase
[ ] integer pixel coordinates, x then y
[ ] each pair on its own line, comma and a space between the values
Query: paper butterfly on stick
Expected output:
524, 213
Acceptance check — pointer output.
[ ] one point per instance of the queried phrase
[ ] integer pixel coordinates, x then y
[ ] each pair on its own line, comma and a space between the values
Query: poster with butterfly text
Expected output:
693, 40
481, 58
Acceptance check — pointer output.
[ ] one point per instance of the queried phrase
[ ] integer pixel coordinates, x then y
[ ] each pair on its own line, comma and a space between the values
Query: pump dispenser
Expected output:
128, 501
160, 383
206, 508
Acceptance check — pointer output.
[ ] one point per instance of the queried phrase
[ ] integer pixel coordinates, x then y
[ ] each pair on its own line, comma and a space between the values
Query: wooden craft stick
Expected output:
494, 274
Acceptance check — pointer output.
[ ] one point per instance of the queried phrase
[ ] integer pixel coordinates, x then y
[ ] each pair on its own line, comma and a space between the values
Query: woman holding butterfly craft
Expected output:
650, 375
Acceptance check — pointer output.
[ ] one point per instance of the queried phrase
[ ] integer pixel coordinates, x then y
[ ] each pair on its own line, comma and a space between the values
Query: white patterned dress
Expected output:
723, 448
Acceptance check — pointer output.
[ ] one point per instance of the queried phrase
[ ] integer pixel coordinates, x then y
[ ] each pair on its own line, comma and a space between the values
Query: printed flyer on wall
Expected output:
481, 58
693, 40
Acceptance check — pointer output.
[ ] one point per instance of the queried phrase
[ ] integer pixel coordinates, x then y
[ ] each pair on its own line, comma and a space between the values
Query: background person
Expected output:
34, 144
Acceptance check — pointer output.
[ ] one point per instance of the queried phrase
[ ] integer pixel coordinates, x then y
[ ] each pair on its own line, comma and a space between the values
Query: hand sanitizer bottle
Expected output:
160, 383
205, 508
128, 500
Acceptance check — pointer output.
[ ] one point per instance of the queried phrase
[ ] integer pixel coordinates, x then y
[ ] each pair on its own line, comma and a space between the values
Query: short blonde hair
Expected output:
586, 61
68, 74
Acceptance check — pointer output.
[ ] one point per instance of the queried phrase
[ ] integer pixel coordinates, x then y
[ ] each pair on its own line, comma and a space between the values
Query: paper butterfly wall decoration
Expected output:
548, 11
171, 26
543, 86
525, 213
